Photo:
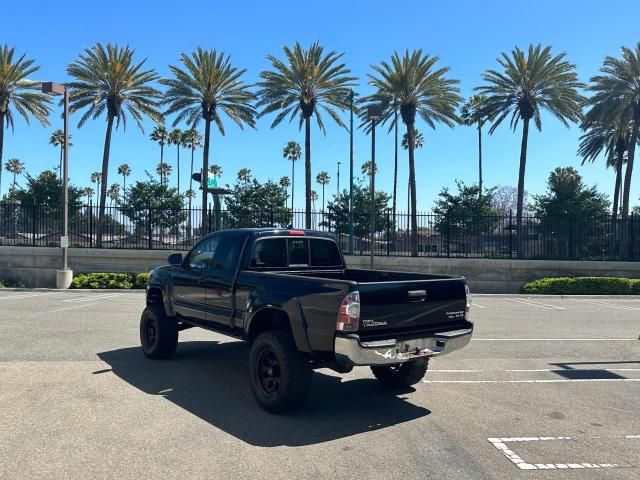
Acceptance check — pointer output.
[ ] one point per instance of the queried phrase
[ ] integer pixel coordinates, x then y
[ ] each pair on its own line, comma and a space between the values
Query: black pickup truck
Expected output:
290, 295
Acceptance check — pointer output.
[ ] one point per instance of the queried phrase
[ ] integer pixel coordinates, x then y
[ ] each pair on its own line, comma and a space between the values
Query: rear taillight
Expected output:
349, 313
467, 307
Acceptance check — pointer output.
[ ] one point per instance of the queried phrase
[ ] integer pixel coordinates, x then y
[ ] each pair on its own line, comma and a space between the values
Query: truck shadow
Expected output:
210, 380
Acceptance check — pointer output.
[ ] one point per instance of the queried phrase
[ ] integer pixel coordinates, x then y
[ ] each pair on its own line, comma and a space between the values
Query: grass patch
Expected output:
583, 286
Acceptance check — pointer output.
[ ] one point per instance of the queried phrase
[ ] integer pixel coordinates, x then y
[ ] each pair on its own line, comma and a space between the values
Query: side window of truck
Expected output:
201, 257
270, 253
227, 253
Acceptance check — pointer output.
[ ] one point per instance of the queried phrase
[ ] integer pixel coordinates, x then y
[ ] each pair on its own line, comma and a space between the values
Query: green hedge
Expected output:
110, 280
583, 286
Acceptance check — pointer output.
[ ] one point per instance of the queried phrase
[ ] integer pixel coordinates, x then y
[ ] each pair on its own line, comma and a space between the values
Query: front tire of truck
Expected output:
402, 375
279, 374
158, 333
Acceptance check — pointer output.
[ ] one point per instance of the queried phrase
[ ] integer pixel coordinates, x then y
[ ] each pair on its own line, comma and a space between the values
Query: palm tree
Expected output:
314, 199
323, 179
365, 169
15, 167
285, 183
292, 152
216, 170
163, 170
531, 82
192, 140
412, 84
611, 137
306, 82
20, 93
125, 171
96, 177
177, 138
244, 175
161, 137
418, 142
473, 114
206, 85
107, 80
114, 193
88, 192
616, 94
57, 140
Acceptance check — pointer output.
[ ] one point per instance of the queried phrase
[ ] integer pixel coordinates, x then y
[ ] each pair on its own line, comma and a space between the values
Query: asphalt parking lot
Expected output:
548, 388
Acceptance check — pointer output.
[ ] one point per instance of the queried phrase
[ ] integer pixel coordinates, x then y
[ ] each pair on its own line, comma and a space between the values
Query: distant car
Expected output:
290, 295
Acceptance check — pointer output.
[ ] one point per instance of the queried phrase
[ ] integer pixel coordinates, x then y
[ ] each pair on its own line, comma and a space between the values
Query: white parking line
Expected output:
474, 304
92, 297
533, 303
605, 304
538, 381
501, 445
524, 370
475, 339
27, 295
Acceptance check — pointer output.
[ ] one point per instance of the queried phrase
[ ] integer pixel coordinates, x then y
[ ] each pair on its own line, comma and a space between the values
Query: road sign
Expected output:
64, 242
212, 182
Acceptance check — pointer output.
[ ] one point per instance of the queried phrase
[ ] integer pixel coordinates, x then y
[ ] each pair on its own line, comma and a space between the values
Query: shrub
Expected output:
12, 283
583, 286
103, 280
142, 279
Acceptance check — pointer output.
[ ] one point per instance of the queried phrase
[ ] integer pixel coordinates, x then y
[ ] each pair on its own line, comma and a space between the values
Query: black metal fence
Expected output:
564, 238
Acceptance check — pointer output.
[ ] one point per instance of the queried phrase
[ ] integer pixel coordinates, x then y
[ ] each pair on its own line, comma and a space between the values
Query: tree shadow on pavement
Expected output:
211, 380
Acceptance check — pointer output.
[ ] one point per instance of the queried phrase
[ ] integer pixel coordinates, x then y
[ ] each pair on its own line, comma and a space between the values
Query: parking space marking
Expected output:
501, 445
605, 304
16, 295
575, 380
532, 303
475, 339
474, 304
91, 297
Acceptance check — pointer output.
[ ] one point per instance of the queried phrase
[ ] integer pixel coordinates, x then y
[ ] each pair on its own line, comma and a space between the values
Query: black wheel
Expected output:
280, 376
401, 375
158, 333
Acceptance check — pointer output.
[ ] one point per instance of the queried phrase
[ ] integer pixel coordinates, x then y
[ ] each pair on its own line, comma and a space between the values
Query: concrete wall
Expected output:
36, 267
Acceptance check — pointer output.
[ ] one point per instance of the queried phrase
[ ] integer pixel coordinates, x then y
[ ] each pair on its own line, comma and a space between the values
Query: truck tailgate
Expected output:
410, 305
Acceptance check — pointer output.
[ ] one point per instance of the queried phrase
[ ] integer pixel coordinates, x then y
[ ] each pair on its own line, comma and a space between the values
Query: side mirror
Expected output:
175, 259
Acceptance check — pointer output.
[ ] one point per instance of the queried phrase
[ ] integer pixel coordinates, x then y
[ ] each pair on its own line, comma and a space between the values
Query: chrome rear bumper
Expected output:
350, 350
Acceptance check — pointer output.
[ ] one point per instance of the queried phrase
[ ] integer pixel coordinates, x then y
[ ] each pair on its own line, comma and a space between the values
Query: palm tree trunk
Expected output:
627, 175
616, 194
412, 186
103, 180
124, 187
60, 164
395, 168
2, 115
480, 159
307, 171
323, 197
293, 182
190, 194
205, 172
523, 164
178, 165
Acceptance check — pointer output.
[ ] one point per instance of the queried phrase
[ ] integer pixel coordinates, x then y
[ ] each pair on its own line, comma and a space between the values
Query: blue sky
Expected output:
467, 35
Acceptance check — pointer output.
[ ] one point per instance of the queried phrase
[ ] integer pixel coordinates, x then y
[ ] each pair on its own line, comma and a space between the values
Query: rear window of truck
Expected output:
295, 252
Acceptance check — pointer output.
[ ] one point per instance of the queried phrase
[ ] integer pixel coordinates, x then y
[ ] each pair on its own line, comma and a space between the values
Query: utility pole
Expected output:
351, 174
339, 180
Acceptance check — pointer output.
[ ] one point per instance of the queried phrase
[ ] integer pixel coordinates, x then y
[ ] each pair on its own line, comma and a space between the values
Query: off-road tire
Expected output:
280, 376
158, 333
402, 375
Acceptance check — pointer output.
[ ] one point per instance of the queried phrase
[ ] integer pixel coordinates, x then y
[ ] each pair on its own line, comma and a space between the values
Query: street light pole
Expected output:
339, 181
374, 113
64, 276
351, 175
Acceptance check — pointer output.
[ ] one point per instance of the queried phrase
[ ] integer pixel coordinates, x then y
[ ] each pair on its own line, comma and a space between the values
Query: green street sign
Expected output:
212, 182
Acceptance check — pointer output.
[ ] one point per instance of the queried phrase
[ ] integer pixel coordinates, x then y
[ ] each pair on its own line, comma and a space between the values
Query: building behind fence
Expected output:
565, 238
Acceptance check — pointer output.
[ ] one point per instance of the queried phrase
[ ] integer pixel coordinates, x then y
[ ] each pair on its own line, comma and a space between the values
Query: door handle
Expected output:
417, 295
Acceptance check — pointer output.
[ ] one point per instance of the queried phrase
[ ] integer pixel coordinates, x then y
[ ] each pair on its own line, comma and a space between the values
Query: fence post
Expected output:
209, 220
33, 229
448, 233
388, 231
571, 250
149, 232
633, 237
510, 233
271, 215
